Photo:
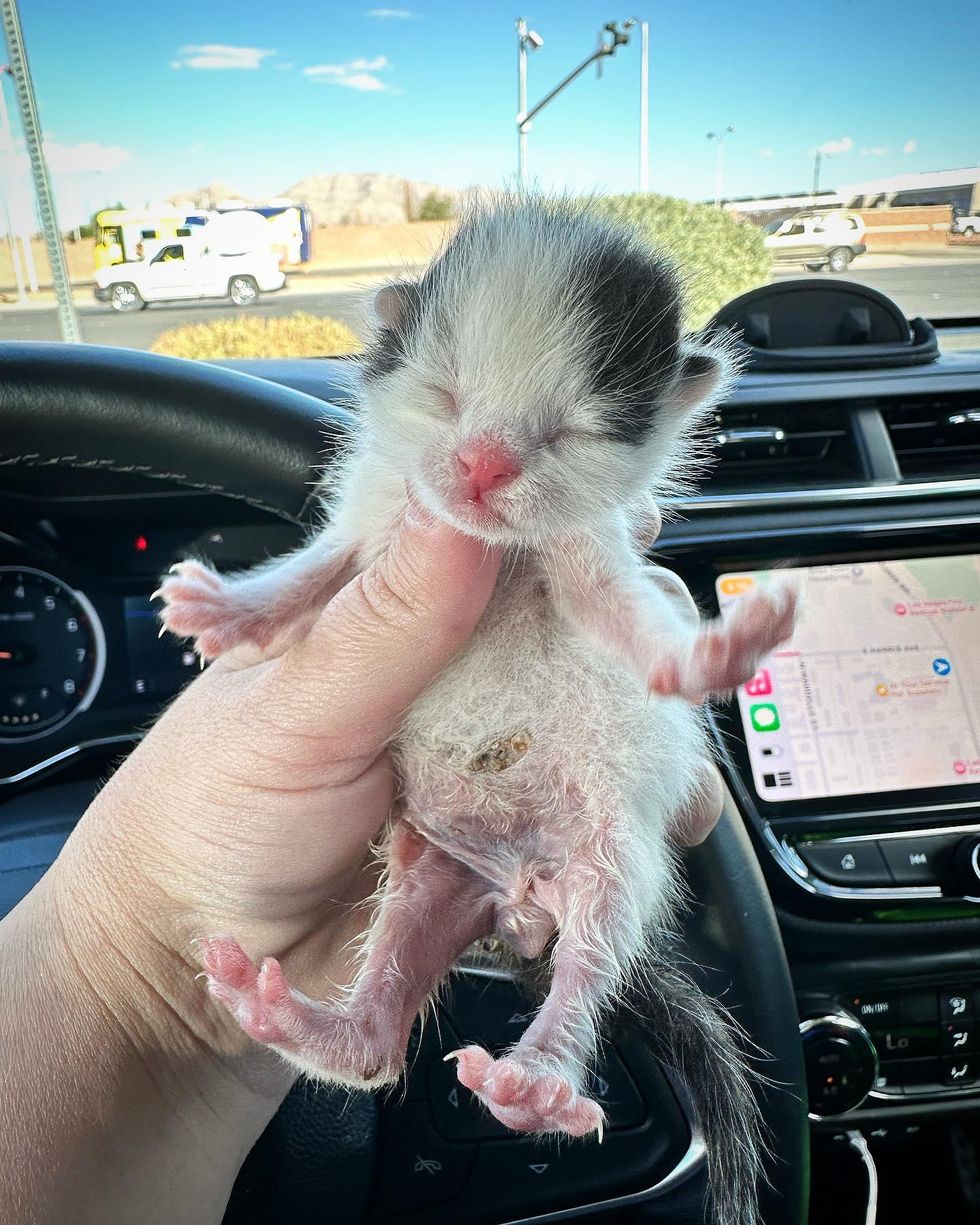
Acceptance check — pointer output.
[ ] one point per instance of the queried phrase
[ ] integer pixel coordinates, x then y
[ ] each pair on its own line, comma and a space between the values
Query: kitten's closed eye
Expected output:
556, 437
445, 399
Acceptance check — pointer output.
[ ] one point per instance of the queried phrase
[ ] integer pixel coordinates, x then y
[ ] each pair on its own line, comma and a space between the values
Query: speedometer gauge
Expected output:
52, 653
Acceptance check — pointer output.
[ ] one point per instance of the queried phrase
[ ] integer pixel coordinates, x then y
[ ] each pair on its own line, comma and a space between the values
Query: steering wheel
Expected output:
197, 426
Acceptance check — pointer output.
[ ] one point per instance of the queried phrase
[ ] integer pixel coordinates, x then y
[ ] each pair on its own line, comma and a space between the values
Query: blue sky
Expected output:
146, 99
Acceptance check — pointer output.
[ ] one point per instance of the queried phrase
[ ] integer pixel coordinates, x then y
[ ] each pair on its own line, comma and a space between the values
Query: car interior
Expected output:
833, 910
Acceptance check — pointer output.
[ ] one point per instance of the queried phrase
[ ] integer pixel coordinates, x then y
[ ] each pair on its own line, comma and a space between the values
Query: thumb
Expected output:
389, 633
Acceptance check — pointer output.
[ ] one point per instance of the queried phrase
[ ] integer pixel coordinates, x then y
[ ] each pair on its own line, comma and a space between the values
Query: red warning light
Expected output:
141, 544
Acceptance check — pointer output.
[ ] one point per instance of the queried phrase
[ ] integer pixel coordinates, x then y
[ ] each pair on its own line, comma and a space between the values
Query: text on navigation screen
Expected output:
879, 689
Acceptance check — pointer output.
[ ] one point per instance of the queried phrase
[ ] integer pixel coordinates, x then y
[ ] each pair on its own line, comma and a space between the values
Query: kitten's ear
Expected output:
396, 303
705, 376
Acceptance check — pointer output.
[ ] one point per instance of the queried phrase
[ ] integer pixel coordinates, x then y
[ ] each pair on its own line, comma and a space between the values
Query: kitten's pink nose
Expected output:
484, 464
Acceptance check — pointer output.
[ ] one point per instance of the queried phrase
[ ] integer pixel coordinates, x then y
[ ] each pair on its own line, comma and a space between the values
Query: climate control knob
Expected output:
966, 866
841, 1063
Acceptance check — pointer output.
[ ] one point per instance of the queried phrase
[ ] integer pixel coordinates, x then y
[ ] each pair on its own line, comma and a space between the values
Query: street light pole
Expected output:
530, 38
27, 253
644, 178
719, 137
818, 157
523, 41
7, 152
21, 74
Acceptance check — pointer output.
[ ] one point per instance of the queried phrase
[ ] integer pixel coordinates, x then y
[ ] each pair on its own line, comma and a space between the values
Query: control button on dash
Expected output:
917, 861
846, 863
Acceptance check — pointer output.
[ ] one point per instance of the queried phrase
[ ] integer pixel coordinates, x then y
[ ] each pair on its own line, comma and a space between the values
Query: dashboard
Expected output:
853, 755
82, 664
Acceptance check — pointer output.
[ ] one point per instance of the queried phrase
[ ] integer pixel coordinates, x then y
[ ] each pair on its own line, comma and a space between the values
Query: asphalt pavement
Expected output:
935, 288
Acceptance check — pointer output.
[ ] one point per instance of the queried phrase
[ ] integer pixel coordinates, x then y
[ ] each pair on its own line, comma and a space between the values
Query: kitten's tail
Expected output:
704, 1046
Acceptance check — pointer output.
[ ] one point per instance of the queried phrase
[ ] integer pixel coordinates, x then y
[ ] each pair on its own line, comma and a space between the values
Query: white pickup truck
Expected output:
181, 269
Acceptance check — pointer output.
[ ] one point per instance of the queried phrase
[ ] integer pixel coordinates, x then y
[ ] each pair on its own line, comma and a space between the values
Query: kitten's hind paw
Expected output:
526, 1096
258, 999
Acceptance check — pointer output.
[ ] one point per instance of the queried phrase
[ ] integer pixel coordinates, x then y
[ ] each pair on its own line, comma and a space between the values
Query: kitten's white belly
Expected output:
533, 731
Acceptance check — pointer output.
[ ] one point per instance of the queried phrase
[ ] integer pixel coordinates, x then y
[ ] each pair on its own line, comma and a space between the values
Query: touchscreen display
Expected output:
879, 689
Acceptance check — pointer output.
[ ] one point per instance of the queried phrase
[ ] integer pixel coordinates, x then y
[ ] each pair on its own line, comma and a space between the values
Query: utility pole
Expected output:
818, 156
26, 101
719, 138
530, 38
7, 152
644, 178
27, 253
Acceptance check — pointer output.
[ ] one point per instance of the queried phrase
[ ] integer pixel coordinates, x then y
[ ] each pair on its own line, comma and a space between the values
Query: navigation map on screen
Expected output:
879, 689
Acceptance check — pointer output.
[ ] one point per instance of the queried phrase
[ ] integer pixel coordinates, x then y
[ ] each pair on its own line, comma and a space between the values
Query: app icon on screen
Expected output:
765, 717
942, 667
759, 685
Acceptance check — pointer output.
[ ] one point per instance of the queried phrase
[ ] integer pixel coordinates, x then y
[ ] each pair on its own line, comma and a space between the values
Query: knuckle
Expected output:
387, 597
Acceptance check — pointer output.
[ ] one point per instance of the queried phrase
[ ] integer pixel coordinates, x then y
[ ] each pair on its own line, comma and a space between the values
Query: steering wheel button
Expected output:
846, 862
456, 1112
421, 1170
490, 1011
612, 1087
519, 1179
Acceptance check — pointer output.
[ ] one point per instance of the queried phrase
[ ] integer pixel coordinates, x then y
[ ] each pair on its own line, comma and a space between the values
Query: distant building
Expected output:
763, 209
958, 189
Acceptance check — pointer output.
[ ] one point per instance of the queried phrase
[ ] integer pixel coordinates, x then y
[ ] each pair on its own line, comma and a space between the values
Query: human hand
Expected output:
250, 806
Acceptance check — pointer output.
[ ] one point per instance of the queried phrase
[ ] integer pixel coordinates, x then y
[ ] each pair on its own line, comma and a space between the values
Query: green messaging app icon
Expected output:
765, 717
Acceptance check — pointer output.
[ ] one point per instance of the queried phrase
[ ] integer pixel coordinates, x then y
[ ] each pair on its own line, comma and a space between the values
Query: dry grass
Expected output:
299, 335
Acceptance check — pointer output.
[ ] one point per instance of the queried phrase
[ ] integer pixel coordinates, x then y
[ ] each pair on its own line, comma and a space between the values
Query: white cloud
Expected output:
284, 66
767, 152
390, 14
357, 74
876, 151
834, 147
910, 146
363, 81
220, 55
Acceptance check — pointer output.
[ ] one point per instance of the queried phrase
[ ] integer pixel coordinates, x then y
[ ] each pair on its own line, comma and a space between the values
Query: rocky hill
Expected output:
205, 197
335, 199
362, 199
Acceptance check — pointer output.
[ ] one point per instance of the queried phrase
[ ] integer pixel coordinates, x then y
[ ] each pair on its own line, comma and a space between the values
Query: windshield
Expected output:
296, 159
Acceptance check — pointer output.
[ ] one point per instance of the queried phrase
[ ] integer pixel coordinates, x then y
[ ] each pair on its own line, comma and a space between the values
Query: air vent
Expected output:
783, 446
935, 437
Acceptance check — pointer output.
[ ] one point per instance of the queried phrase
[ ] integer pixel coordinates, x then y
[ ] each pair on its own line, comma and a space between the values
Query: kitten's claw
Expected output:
201, 604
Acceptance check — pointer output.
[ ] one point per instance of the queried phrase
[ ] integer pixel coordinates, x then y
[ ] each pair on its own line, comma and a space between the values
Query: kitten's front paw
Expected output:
200, 604
727, 653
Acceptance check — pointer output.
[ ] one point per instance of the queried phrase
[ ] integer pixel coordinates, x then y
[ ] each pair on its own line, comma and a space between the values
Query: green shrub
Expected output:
299, 335
718, 256
435, 207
